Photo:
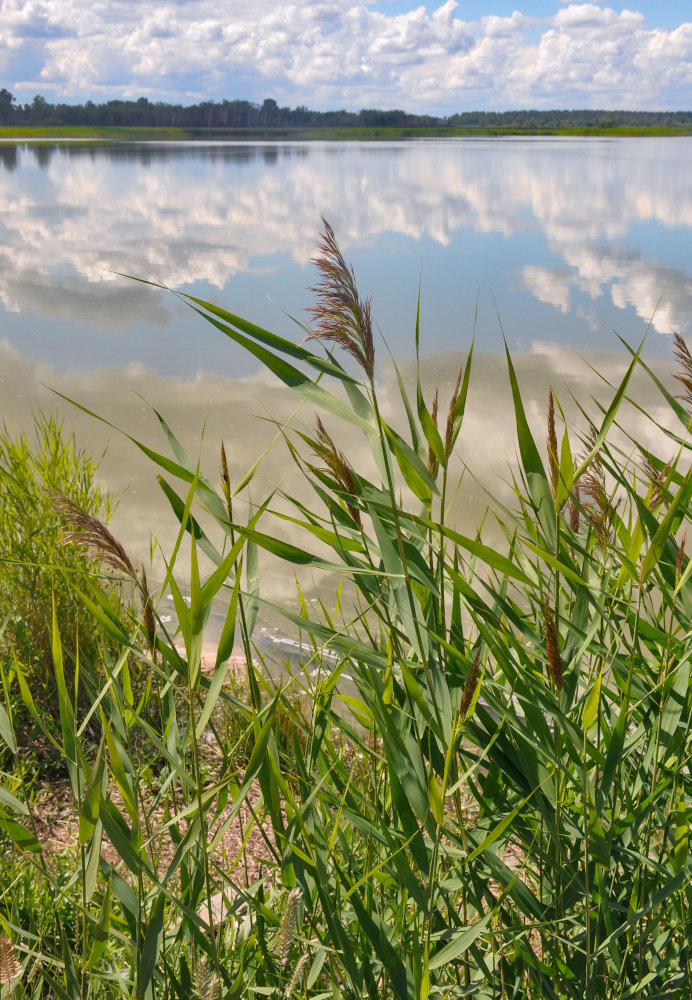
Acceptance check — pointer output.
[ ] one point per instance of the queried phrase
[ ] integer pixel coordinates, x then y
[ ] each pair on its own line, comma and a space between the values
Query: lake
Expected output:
558, 242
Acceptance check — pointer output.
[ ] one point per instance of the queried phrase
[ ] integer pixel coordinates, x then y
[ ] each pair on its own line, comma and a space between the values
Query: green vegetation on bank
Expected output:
243, 118
37, 570
356, 133
486, 791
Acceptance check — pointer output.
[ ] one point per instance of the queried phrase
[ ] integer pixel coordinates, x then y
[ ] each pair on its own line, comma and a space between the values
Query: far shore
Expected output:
11, 134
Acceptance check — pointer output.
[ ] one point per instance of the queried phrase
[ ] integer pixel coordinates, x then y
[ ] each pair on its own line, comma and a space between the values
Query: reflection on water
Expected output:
211, 408
572, 236
564, 238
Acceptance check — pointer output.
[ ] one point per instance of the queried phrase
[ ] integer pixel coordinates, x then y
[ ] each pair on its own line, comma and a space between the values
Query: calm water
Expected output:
565, 240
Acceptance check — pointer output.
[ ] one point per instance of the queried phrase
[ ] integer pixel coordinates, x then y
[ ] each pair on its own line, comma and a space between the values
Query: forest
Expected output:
235, 114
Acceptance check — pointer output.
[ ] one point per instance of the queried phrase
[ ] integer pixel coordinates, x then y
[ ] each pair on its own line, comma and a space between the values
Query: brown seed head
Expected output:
552, 646
91, 534
684, 372
432, 458
226, 482
594, 496
337, 466
657, 480
341, 316
148, 617
452, 424
553, 463
470, 686
680, 556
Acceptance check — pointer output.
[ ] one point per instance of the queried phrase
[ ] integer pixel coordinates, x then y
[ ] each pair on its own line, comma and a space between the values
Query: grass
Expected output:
132, 134
500, 809
36, 569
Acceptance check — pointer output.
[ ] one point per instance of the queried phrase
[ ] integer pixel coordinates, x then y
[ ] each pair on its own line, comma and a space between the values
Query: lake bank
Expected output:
355, 133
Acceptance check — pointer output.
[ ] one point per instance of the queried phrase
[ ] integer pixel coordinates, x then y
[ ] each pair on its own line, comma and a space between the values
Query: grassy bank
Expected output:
301, 134
477, 781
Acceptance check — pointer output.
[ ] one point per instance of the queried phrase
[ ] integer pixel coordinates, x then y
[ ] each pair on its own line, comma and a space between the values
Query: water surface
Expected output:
556, 243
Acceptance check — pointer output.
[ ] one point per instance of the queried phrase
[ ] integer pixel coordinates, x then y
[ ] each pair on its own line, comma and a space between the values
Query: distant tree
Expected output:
6, 109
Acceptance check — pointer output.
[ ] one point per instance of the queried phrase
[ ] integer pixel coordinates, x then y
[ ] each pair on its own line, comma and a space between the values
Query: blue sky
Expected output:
658, 13
437, 56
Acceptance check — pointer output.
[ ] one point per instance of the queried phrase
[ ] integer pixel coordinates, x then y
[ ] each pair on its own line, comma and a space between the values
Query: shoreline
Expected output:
85, 133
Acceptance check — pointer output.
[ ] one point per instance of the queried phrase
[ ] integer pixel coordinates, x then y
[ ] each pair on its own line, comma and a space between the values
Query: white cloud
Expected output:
330, 53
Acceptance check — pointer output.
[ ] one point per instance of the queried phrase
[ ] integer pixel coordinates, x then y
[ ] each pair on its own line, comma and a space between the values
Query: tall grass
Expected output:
500, 810
35, 567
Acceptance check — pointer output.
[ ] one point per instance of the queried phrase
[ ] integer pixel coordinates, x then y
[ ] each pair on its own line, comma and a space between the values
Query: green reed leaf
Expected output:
151, 945
537, 481
89, 808
23, 838
457, 942
101, 931
590, 713
658, 542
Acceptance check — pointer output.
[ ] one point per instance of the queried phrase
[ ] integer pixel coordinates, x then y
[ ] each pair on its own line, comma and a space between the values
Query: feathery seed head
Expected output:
657, 480
337, 466
205, 981
684, 372
680, 556
595, 500
225, 480
470, 686
10, 967
452, 420
284, 935
341, 316
432, 458
552, 646
91, 534
297, 973
553, 463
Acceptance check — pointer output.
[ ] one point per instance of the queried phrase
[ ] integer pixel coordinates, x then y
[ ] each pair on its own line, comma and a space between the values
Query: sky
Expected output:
432, 57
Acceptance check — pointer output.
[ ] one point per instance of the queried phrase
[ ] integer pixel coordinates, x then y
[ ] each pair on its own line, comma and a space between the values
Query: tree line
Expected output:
244, 114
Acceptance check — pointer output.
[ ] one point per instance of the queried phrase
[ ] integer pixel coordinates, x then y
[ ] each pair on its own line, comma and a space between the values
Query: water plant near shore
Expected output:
501, 808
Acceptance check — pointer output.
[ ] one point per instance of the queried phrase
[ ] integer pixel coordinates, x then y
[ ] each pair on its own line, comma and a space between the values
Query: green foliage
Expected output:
487, 792
35, 568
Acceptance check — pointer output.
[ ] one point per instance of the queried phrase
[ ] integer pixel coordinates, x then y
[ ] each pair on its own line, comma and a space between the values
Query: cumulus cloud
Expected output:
330, 53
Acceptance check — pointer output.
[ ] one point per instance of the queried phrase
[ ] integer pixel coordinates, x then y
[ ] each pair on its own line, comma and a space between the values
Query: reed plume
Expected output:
432, 458
470, 686
452, 424
680, 556
552, 646
684, 372
90, 534
657, 480
553, 463
336, 466
226, 483
342, 317
574, 511
595, 500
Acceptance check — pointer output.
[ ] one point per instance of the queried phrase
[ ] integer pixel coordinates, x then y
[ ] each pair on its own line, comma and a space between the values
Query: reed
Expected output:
500, 809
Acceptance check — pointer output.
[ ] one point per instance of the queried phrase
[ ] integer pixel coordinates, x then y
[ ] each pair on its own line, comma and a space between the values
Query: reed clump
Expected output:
546, 681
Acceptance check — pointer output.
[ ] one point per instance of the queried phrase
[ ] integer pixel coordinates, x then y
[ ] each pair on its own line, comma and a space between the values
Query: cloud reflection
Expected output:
210, 408
69, 216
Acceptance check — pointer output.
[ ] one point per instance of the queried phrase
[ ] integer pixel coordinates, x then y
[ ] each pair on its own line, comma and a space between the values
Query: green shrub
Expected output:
35, 568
